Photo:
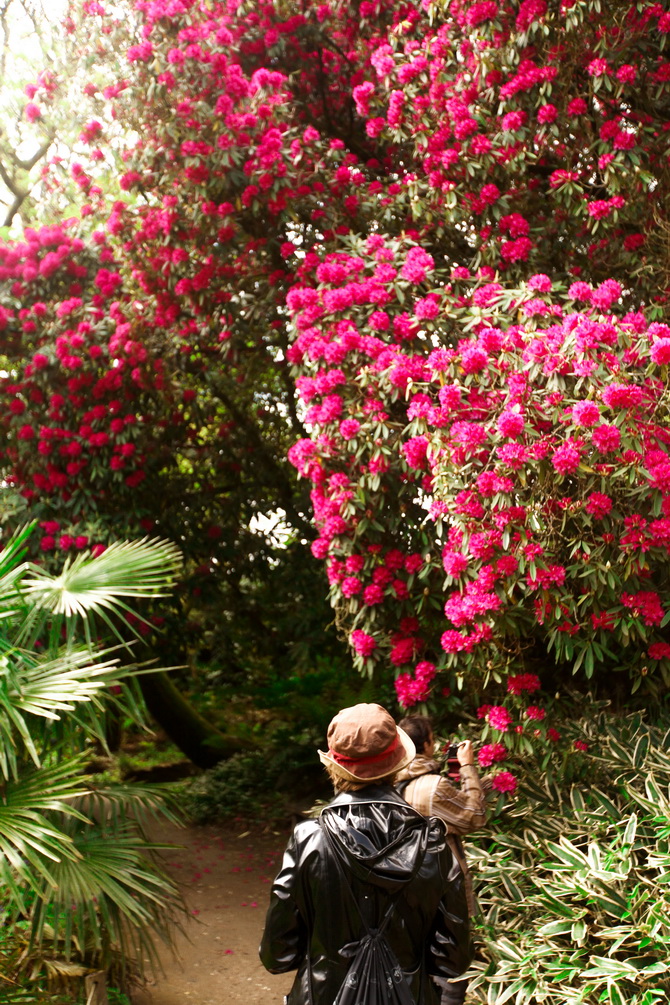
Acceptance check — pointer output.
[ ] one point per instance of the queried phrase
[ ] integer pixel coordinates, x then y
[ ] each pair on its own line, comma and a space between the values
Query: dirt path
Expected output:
225, 876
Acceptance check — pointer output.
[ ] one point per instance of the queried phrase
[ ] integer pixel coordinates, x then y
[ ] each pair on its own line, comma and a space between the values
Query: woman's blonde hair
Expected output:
345, 785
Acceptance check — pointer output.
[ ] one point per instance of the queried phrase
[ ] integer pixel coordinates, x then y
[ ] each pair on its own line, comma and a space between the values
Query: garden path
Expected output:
225, 874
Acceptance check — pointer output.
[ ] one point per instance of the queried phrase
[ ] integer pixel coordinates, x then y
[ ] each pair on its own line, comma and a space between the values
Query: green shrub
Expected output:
575, 887
286, 775
241, 786
261, 786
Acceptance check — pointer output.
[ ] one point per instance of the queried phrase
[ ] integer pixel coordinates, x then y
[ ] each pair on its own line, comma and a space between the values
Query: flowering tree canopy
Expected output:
447, 226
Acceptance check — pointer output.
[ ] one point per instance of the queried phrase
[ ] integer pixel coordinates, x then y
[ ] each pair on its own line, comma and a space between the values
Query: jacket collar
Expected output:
369, 794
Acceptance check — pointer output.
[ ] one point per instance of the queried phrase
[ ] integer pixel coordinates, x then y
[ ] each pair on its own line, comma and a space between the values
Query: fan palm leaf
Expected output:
31, 844
47, 688
74, 861
112, 898
144, 803
89, 587
56, 685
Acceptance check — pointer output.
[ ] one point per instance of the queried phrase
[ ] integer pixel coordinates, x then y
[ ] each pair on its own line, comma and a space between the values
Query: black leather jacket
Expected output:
385, 847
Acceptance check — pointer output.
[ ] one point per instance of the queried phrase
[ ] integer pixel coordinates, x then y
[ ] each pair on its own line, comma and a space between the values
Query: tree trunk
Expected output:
202, 743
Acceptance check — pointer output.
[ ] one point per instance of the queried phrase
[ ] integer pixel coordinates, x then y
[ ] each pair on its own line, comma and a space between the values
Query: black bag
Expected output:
374, 976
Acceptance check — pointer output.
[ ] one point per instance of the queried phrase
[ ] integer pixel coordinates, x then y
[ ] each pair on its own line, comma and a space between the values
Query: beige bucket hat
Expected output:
365, 744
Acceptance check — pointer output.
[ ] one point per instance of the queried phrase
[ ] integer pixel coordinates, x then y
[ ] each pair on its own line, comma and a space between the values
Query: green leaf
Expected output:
552, 928
631, 830
567, 854
578, 932
603, 966
613, 811
90, 586
640, 750
614, 994
577, 799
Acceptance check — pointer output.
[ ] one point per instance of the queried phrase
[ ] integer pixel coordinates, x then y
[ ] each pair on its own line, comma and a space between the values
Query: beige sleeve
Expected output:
462, 809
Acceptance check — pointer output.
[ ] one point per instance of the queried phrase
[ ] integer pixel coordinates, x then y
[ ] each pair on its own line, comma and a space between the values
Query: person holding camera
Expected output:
462, 808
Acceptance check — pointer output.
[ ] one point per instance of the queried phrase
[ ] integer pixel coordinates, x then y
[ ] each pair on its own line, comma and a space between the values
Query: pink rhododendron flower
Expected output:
536, 713
580, 291
577, 106
449, 396
349, 428
403, 651
414, 451
363, 644
622, 395
660, 351
351, 586
523, 682
427, 308
599, 209
319, 548
547, 113
607, 293
504, 781
499, 718
659, 651
453, 641
474, 360
606, 438
598, 68
514, 120
627, 73
566, 459
454, 562
483, 10
490, 753
645, 604
373, 594
585, 413
412, 689
540, 282
510, 423
598, 504
417, 265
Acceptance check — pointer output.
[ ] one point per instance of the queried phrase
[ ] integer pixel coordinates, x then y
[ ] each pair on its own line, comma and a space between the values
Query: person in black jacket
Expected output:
341, 872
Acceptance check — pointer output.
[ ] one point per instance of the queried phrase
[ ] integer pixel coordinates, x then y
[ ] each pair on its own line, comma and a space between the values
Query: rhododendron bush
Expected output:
538, 134
445, 225
500, 501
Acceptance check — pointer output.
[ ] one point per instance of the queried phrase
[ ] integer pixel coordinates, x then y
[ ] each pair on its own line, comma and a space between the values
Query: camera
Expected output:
453, 764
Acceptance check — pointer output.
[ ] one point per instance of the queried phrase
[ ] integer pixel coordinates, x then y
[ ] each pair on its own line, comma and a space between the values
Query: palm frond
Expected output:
14, 550
12, 570
30, 844
46, 688
90, 587
144, 803
74, 861
57, 685
112, 899
145, 568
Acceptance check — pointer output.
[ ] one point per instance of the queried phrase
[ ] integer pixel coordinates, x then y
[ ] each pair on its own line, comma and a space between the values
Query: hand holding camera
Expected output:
459, 755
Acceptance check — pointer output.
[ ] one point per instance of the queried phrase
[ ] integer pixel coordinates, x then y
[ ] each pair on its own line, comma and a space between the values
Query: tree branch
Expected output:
9, 182
15, 207
29, 164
